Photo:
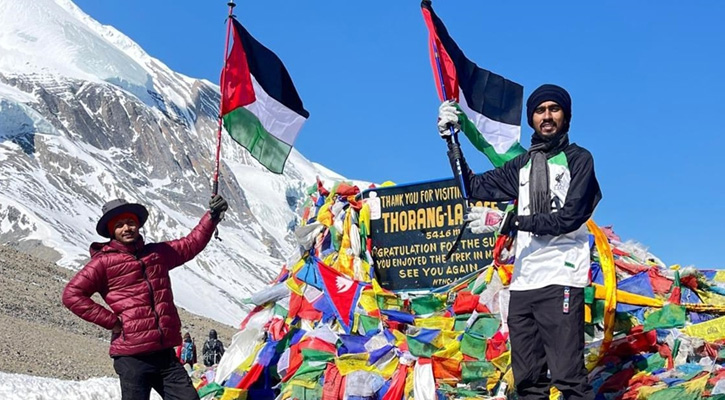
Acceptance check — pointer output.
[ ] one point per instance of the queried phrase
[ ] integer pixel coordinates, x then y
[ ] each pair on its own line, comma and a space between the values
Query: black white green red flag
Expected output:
491, 103
260, 108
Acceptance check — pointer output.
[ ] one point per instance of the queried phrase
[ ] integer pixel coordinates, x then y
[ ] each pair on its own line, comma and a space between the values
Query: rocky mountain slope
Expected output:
87, 116
38, 336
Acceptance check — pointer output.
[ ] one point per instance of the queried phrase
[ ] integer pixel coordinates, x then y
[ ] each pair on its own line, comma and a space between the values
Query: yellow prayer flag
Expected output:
409, 384
350, 362
645, 392
502, 362
696, 385
719, 276
400, 338
303, 383
445, 338
234, 394
247, 363
450, 348
711, 298
442, 323
367, 301
493, 380
324, 215
388, 369
297, 288
364, 217
710, 331
330, 259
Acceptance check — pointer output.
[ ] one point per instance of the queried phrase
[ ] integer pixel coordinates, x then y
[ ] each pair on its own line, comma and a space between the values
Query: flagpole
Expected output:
453, 138
215, 186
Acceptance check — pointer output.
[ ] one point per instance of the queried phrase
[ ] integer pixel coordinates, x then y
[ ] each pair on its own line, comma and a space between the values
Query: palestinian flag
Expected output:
491, 104
260, 108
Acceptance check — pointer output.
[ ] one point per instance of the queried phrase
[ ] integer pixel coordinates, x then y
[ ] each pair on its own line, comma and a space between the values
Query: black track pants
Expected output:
544, 337
160, 371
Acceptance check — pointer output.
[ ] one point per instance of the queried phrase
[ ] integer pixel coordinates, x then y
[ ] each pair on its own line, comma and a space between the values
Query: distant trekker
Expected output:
186, 353
132, 277
213, 349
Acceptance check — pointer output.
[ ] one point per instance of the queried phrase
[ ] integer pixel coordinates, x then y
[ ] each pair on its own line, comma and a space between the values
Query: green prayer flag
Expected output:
420, 349
369, 323
652, 363
314, 364
486, 325
460, 322
303, 393
597, 311
478, 289
473, 346
476, 370
281, 311
389, 302
427, 304
213, 387
335, 238
675, 393
670, 316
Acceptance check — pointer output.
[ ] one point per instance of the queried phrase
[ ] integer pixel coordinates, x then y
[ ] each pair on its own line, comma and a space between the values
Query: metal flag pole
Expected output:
452, 140
215, 185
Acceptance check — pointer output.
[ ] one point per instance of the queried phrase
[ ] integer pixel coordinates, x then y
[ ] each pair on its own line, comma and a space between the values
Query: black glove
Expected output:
217, 206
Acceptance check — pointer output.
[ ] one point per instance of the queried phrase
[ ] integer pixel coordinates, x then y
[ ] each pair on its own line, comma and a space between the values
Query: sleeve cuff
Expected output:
521, 223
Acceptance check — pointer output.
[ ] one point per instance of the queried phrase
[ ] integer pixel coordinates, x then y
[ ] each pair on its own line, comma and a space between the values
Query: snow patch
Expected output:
15, 95
26, 387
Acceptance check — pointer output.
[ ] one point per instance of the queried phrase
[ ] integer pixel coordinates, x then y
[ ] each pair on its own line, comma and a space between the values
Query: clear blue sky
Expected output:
646, 79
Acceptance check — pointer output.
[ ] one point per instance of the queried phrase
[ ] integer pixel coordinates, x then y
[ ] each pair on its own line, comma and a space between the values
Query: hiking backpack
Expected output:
211, 352
187, 352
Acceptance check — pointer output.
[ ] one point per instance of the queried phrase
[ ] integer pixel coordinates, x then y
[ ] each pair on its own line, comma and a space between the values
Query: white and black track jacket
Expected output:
551, 249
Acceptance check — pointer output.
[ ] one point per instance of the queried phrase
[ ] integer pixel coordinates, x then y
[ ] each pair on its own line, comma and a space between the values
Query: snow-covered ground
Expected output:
26, 387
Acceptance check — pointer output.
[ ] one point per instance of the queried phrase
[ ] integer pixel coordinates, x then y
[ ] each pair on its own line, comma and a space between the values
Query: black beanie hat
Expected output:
548, 92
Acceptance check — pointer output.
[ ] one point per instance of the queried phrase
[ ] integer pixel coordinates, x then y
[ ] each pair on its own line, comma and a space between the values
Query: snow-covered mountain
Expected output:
87, 116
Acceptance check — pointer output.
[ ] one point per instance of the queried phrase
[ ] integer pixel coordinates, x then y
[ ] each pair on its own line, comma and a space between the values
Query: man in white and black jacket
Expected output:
557, 191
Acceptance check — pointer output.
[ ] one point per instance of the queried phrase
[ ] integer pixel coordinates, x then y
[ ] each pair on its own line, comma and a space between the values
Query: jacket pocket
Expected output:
122, 334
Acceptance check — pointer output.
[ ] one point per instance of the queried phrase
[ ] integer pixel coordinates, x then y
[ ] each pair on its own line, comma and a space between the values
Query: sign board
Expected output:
412, 229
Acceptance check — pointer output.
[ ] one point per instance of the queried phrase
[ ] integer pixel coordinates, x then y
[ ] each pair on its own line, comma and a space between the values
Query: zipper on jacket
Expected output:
151, 297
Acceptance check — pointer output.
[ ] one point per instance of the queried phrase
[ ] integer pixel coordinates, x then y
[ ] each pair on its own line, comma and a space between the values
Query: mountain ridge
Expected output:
97, 118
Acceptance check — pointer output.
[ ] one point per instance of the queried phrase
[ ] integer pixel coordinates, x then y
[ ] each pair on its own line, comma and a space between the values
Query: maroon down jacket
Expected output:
134, 282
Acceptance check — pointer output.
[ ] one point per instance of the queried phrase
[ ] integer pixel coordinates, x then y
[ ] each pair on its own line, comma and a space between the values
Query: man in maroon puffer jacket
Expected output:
133, 279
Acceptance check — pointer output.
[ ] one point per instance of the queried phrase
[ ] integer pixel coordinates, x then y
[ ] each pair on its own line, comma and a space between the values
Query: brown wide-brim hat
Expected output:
116, 207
